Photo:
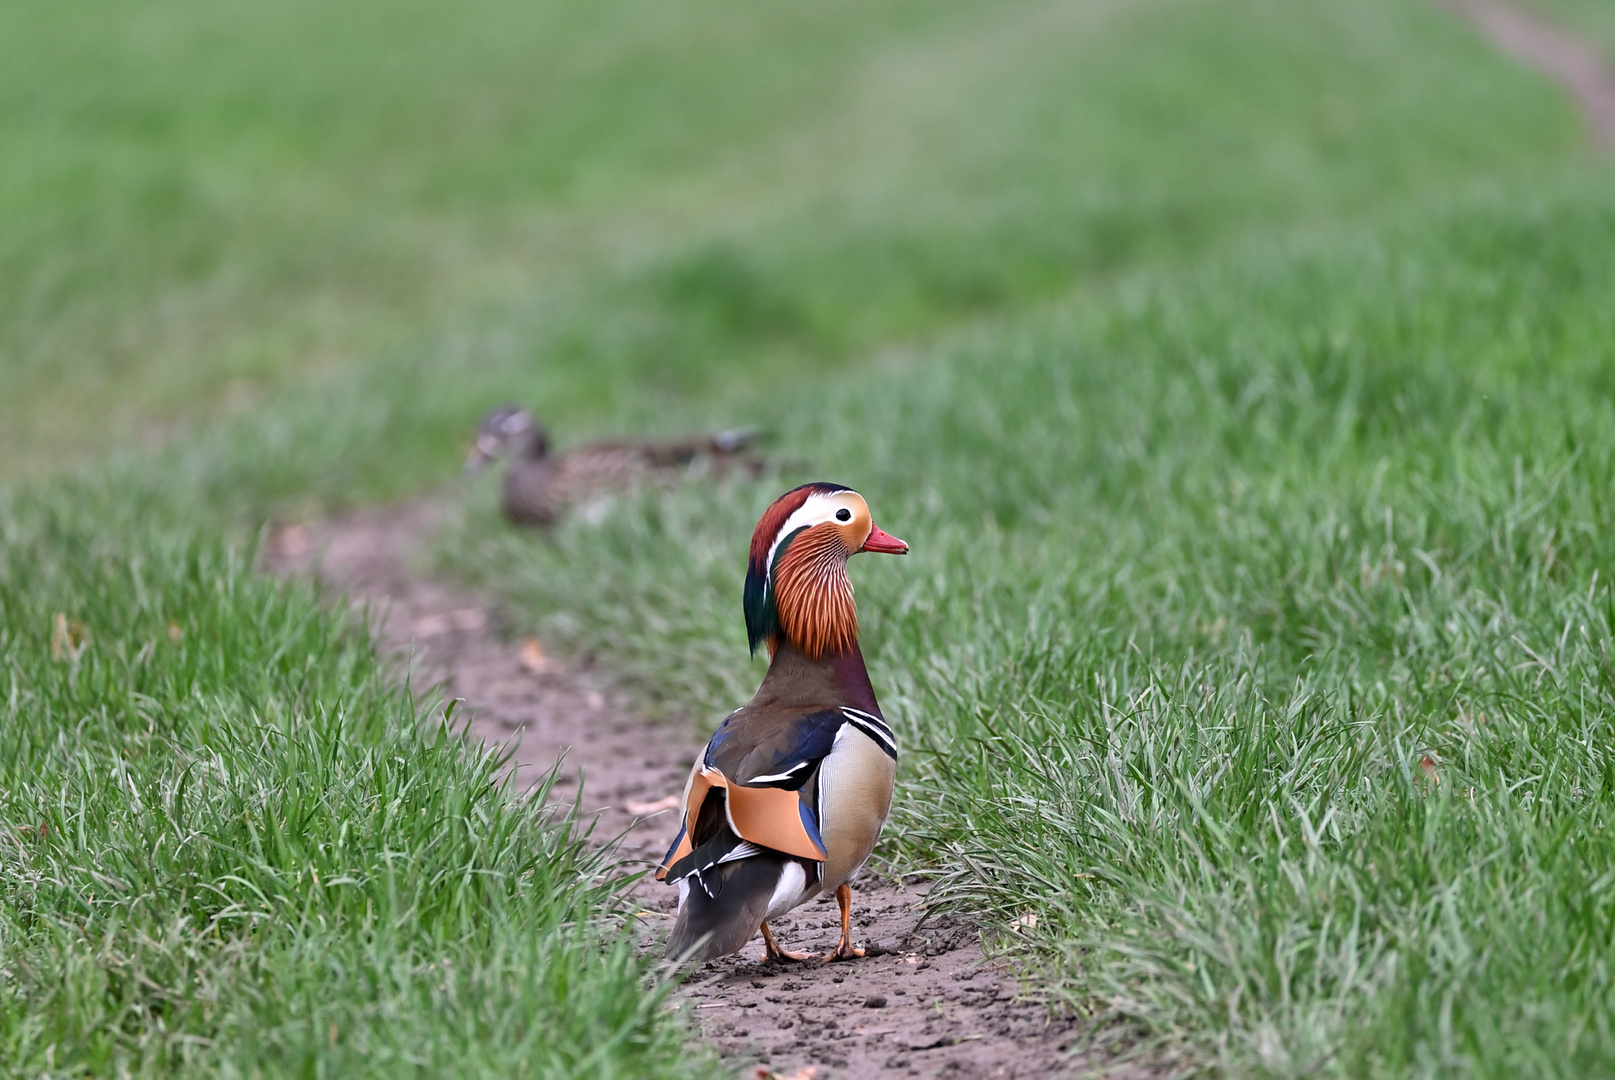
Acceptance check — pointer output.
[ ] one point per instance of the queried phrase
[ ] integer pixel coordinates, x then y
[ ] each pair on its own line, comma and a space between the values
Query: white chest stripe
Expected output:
873, 726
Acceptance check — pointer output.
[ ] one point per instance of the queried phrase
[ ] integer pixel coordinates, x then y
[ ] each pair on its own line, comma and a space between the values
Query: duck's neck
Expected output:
534, 445
835, 679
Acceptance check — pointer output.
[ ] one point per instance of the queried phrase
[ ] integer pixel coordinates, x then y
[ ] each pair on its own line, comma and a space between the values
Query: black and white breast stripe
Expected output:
874, 727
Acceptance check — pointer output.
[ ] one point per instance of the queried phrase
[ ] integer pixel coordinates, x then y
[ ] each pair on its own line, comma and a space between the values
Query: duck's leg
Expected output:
774, 952
844, 949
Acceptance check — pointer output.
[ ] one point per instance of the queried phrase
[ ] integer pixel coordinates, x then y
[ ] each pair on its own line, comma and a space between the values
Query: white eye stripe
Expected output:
817, 509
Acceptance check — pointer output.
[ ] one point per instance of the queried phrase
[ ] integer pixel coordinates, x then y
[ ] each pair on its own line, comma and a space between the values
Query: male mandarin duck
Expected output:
790, 794
539, 485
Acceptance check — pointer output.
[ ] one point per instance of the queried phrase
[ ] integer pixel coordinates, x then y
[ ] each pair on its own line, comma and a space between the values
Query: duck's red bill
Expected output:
882, 541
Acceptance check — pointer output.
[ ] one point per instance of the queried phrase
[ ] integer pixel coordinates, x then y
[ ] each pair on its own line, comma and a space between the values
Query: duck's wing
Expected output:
656, 454
680, 451
599, 468
755, 778
593, 469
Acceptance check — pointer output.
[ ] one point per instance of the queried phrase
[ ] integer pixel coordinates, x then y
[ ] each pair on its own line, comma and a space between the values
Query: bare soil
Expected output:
923, 1002
1563, 57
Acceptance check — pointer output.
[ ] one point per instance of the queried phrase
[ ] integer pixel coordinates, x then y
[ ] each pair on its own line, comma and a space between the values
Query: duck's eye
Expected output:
843, 514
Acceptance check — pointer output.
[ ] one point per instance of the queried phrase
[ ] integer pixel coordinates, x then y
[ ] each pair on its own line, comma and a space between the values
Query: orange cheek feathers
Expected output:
814, 596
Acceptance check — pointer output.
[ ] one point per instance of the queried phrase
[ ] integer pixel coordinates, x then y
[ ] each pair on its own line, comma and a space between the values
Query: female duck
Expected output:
541, 484
789, 797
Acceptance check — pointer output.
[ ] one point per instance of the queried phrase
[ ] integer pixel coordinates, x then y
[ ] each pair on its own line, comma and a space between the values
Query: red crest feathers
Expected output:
768, 526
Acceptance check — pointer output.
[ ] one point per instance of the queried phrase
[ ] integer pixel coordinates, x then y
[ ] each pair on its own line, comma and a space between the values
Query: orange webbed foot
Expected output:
772, 950
843, 951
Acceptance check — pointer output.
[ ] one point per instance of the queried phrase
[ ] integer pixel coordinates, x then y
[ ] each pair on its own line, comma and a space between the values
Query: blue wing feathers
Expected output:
785, 762
810, 822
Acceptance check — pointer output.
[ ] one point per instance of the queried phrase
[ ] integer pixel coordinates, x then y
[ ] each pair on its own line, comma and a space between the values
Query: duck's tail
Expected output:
722, 904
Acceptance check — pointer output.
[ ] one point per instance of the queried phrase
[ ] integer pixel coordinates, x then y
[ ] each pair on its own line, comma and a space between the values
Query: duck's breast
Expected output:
855, 794
529, 496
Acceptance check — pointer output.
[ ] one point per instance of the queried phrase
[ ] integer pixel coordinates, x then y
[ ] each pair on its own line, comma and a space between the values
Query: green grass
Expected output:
233, 847
1239, 371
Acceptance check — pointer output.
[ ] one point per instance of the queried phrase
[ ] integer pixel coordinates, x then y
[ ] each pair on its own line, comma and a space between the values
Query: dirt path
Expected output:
922, 1003
1561, 56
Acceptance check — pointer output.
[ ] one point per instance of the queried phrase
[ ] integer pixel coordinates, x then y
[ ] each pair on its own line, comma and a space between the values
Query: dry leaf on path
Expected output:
464, 619
533, 658
806, 1072
639, 809
290, 541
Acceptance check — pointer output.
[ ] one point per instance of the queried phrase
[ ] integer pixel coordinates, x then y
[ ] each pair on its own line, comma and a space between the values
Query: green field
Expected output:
1242, 374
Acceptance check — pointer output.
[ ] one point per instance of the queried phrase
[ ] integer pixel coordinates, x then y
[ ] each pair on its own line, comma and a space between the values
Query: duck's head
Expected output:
797, 589
503, 431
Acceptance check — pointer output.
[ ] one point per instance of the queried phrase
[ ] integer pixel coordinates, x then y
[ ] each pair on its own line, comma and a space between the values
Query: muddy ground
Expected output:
923, 1002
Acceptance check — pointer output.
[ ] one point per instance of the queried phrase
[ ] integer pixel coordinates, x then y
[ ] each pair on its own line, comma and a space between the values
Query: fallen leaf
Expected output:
429, 626
468, 619
1428, 764
1024, 923
533, 658
68, 639
637, 808
291, 541
442, 623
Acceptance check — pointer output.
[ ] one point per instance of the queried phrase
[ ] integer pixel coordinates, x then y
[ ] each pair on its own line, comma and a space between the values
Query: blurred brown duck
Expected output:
540, 485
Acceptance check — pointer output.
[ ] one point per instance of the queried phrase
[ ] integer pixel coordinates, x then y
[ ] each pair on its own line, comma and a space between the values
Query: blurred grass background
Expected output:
1239, 370
207, 203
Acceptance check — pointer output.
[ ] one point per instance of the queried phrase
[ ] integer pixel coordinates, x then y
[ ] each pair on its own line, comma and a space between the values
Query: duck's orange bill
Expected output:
882, 541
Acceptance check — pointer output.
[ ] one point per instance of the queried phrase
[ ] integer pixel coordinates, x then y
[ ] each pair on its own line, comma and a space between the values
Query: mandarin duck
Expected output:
789, 796
539, 485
